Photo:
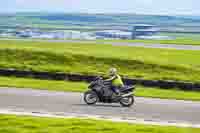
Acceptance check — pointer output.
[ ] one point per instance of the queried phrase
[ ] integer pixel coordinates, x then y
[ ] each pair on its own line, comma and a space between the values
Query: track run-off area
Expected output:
145, 110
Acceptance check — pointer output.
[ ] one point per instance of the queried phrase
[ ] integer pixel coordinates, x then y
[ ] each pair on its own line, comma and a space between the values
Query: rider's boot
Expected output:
118, 93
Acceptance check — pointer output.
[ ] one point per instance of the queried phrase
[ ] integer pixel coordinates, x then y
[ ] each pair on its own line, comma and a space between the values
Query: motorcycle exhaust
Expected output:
129, 94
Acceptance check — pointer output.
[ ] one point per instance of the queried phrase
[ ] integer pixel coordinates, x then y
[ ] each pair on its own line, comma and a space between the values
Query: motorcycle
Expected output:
100, 91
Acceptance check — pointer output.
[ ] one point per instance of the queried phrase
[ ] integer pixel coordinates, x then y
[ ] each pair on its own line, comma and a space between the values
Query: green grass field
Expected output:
180, 40
82, 87
186, 36
97, 59
27, 124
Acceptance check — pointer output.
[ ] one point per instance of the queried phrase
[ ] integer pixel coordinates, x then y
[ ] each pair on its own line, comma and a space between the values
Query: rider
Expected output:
116, 81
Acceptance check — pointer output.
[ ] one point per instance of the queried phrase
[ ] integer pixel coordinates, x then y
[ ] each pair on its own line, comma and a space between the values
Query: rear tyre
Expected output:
127, 101
90, 97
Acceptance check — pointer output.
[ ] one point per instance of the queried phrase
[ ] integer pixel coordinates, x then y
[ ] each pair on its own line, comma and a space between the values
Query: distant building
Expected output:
114, 34
137, 31
143, 30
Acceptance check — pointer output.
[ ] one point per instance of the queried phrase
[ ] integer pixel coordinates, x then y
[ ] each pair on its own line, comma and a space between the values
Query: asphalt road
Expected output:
162, 46
174, 111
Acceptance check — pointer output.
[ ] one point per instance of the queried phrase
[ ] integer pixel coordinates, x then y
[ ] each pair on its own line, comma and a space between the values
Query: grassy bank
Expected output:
81, 87
97, 59
186, 36
26, 124
179, 41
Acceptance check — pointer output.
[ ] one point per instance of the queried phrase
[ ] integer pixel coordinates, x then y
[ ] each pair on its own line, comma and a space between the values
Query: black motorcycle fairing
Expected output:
91, 85
127, 88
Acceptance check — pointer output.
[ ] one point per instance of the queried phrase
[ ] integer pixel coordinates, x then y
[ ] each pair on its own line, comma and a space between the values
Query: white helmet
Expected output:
113, 71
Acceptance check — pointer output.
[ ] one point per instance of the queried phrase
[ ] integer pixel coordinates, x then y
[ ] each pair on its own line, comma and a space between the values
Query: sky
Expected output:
167, 7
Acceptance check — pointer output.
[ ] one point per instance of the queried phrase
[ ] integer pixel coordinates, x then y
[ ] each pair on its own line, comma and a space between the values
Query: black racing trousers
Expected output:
115, 89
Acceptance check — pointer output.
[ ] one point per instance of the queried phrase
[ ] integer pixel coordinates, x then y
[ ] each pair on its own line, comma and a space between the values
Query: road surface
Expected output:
133, 44
174, 111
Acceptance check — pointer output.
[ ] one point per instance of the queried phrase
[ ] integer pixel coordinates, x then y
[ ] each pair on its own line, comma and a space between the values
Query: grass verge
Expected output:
81, 87
95, 59
27, 124
178, 41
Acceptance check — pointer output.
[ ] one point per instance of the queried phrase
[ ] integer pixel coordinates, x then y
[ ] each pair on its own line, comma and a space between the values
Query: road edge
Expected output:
95, 117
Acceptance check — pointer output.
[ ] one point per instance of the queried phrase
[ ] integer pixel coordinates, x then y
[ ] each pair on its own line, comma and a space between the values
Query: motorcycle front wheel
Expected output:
127, 101
90, 97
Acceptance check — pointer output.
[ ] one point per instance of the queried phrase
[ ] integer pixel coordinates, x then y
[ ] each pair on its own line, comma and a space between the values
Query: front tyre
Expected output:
127, 101
90, 97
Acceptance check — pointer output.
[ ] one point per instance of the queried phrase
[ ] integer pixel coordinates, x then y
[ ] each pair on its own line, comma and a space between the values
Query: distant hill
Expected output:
119, 18
92, 20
